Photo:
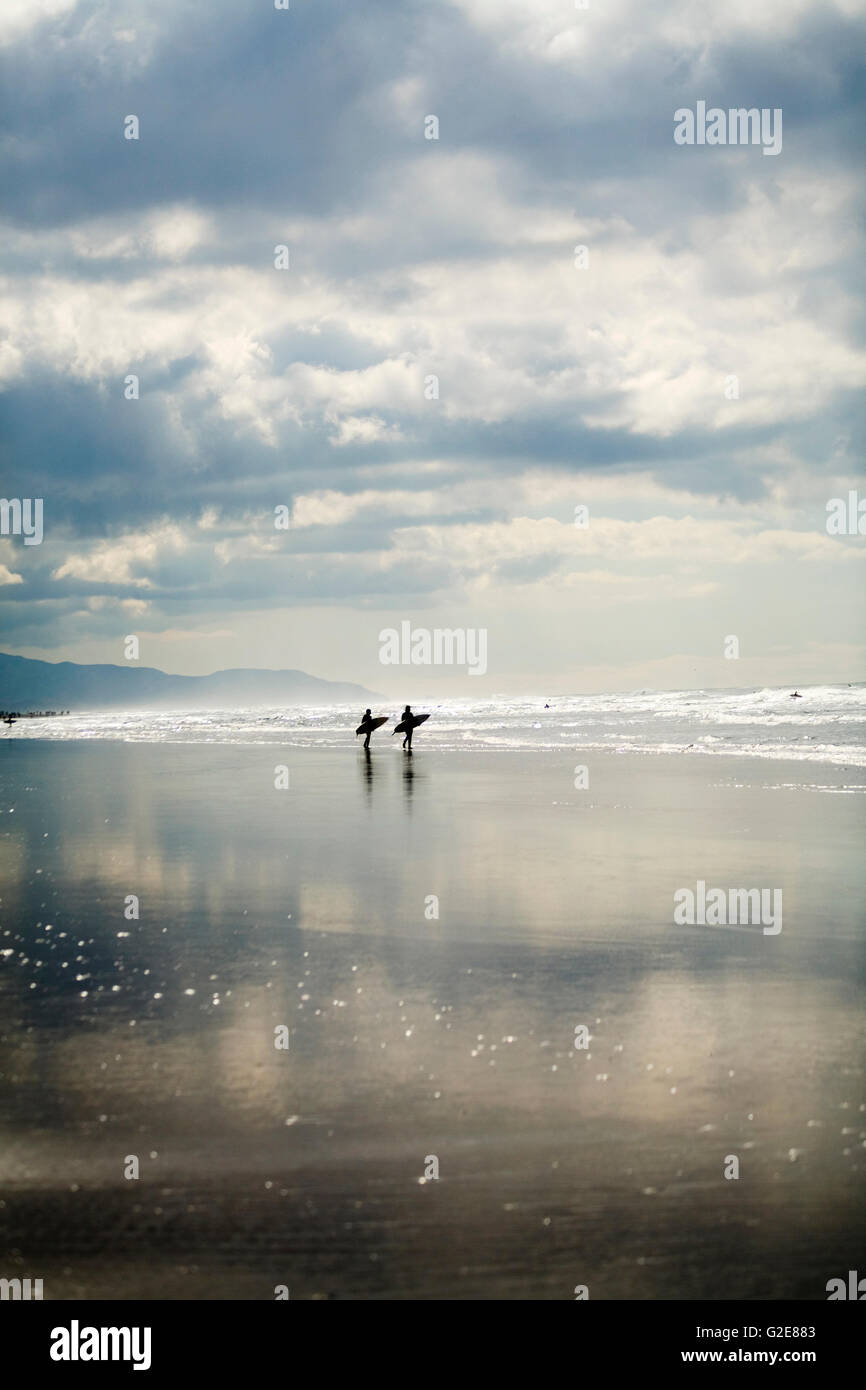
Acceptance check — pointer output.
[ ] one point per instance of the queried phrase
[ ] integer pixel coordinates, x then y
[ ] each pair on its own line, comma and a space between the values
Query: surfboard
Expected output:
403, 727
371, 724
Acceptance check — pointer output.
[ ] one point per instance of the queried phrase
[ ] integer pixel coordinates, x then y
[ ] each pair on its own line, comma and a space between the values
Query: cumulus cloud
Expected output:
550, 304
122, 561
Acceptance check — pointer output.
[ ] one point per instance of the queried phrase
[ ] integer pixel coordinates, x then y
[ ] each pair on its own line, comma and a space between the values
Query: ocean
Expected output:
827, 725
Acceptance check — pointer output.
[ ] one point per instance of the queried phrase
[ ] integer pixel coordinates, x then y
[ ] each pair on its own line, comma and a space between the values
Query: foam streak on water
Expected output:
828, 725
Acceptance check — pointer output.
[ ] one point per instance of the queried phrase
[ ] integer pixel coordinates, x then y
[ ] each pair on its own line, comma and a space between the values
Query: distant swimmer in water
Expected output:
796, 695
368, 724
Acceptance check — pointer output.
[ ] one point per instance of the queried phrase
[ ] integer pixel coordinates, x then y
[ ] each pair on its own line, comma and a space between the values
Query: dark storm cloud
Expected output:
254, 108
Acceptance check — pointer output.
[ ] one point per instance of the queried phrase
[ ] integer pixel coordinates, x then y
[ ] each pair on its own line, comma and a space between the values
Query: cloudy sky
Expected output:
603, 379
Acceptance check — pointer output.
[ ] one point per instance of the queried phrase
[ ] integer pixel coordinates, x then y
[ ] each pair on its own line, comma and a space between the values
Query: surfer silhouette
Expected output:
367, 725
407, 740
407, 726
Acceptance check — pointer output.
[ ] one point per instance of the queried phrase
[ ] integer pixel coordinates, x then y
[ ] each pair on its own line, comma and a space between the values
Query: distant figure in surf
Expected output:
796, 695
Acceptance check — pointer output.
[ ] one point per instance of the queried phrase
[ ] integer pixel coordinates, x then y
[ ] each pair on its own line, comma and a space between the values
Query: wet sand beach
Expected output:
415, 1036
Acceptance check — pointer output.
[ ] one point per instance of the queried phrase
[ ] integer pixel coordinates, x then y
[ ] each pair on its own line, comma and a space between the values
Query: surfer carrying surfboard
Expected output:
407, 726
409, 723
368, 724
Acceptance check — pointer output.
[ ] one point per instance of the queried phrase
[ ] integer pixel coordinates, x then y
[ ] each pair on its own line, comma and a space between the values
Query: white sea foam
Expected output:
828, 725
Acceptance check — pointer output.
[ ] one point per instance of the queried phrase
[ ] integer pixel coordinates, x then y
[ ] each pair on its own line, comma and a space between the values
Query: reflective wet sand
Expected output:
415, 1036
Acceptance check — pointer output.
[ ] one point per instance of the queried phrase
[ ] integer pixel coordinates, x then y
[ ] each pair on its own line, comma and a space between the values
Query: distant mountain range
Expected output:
27, 685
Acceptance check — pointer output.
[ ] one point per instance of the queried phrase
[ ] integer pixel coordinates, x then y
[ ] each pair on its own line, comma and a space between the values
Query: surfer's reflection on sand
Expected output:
410, 776
367, 773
